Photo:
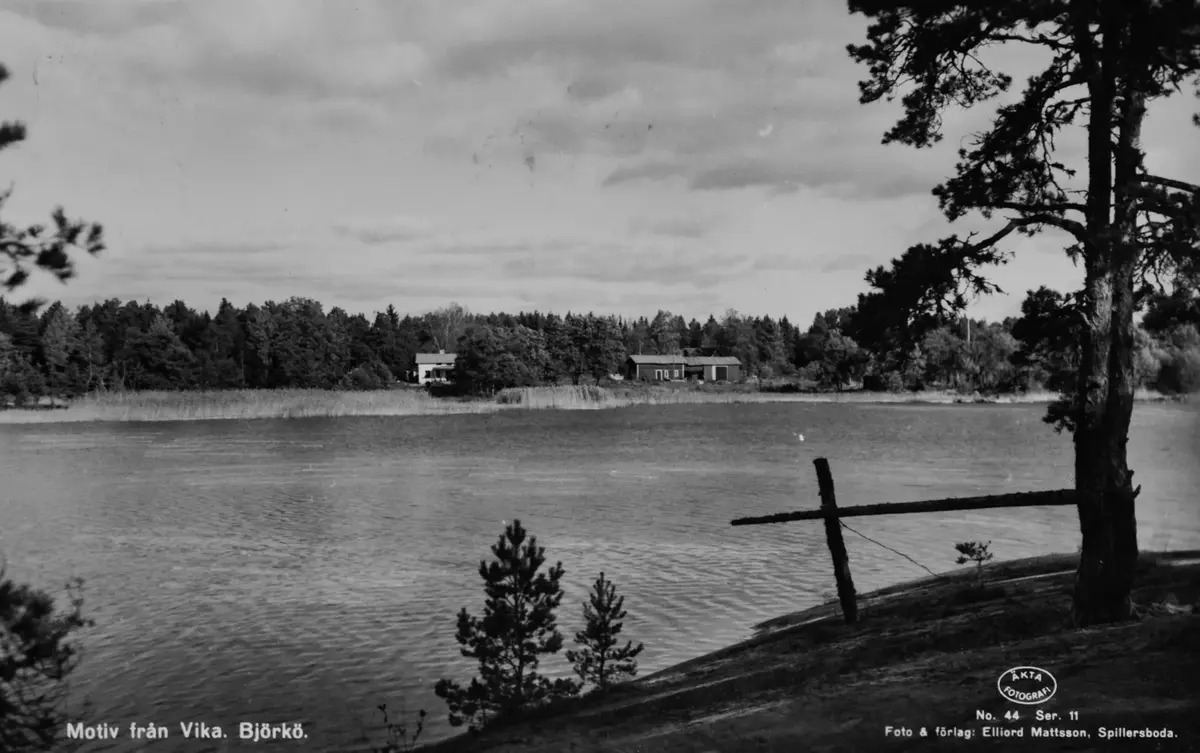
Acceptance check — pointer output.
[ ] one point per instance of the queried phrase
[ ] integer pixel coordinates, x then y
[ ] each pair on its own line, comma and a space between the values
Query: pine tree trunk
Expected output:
517, 700
1106, 522
1109, 553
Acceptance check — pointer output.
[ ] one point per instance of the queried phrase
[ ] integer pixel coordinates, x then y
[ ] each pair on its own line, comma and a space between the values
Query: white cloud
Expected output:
558, 153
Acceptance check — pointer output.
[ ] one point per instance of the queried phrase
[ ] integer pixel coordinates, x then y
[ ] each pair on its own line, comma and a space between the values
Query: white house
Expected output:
434, 367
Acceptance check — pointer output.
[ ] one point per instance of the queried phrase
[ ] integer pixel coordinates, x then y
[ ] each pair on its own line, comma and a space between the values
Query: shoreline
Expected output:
276, 404
925, 653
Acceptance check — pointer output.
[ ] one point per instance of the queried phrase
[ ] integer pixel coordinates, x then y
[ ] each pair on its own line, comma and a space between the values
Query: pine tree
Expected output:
601, 661
37, 655
518, 627
59, 339
36, 245
1105, 65
19, 380
88, 358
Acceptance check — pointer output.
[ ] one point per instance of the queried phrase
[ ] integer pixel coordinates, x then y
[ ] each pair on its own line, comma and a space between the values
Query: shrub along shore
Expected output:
311, 403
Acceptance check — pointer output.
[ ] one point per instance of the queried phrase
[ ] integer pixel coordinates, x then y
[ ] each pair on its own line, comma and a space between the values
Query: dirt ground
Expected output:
926, 654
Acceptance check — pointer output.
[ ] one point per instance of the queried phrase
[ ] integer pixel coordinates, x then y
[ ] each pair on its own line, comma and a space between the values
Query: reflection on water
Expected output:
253, 571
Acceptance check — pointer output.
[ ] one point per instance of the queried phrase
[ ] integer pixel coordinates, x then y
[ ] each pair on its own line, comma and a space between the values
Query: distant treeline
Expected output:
118, 345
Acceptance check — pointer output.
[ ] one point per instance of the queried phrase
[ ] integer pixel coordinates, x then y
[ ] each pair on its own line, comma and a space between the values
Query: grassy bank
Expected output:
925, 654
245, 404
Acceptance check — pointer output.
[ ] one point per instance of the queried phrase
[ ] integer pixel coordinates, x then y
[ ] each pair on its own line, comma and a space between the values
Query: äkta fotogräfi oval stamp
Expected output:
1028, 686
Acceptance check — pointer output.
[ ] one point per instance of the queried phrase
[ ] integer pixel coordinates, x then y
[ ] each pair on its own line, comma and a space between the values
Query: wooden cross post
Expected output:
837, 546
832, 516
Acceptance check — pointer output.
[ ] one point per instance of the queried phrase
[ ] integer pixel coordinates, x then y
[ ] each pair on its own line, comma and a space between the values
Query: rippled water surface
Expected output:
307, 570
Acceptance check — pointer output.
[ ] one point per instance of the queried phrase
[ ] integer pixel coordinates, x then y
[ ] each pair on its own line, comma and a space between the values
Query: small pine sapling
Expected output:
974, 551
601, 661
399, 740
517, 628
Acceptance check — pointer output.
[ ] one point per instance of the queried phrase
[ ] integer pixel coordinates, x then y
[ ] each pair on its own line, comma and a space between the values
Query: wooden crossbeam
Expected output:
1016, 499
831, 514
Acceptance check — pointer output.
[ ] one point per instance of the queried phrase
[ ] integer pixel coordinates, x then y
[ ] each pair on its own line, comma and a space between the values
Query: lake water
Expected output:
307, 570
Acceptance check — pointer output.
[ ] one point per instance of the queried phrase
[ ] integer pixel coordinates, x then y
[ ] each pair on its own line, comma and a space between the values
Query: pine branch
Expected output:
1042, 40
1170, 183
1050, 208
1074, 228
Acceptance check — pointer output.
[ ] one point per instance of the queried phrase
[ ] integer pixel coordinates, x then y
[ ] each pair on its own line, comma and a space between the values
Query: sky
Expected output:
687, 155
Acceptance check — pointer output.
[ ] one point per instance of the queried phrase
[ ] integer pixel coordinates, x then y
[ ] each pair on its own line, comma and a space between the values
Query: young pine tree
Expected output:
601, 661
518, 627
977, 552
37, 655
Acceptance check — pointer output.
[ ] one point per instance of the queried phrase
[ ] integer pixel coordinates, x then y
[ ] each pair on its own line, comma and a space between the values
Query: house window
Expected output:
658, 374
676, 373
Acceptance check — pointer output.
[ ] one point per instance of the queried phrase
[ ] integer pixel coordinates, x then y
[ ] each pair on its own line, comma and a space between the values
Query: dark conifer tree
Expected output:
601, 660
518, 627
36, 654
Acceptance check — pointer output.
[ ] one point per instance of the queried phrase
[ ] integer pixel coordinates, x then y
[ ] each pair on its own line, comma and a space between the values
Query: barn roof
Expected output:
685, 360
657, 359
436, 357
713, 361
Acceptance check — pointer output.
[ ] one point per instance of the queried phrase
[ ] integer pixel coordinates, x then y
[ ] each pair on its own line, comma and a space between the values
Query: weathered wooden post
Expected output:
829, 512
837, 546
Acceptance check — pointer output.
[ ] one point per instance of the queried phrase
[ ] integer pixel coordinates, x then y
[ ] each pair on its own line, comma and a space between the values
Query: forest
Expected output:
115, 346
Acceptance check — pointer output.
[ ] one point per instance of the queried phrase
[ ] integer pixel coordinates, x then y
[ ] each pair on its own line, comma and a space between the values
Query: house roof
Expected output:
436, 357
686, 360
657, 359
713, 361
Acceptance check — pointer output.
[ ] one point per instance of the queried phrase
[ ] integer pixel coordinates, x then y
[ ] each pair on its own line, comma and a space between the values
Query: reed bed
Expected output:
594, 398
299, 403
583, 397
247, 404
